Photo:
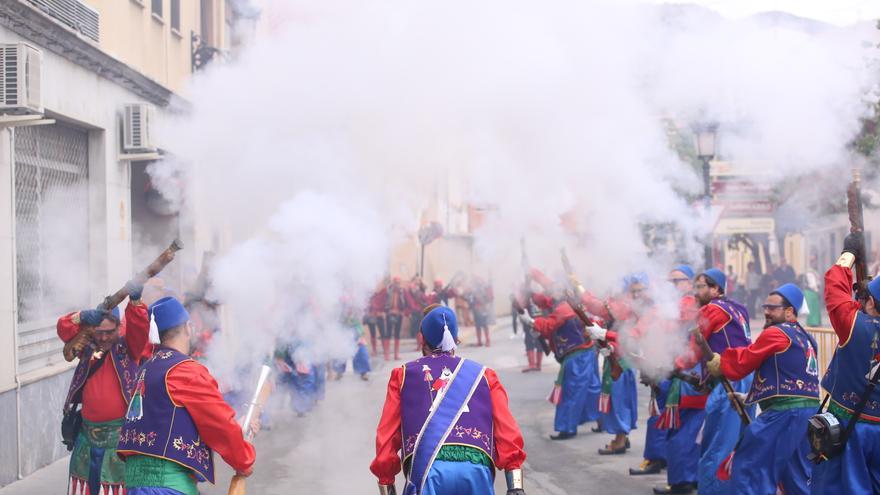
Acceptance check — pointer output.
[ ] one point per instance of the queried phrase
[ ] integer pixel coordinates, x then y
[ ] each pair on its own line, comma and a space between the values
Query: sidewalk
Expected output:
50, 480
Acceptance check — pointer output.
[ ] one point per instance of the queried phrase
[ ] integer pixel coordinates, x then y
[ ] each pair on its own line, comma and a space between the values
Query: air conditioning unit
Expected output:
20, 67
137, 128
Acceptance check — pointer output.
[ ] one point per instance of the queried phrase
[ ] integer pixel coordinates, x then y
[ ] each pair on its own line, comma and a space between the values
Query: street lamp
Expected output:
705, 136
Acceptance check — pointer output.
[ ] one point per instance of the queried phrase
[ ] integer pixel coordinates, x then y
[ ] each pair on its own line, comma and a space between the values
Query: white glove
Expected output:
605, 351
873, 372
527, 319
597, 332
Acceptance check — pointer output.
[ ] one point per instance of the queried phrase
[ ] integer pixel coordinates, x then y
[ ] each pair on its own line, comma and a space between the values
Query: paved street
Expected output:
330, 450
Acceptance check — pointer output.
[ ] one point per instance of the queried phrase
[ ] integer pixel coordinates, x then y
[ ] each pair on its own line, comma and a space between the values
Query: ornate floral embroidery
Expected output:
132, 436
194, 450
854, 398
163, 354
409, 444
472, 433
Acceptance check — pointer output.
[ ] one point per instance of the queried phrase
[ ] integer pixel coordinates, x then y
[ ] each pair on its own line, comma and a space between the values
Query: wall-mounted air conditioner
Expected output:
137, 128
20, 68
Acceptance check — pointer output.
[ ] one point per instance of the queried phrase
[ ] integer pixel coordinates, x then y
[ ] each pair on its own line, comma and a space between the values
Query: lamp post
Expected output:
705, 137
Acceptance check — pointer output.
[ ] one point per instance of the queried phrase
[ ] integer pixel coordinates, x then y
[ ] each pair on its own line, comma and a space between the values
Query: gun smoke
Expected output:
318, 148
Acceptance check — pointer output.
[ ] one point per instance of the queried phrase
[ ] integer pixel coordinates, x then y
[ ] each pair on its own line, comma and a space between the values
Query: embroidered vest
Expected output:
845, 379
157, 427
569, 337
125, 366
793, 372
423, 380
735, 333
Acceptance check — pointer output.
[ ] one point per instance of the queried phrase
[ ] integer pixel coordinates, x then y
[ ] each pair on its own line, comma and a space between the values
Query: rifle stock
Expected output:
613, 361
152, 270
578, 308
707, 354
527, 284
238, 484
857, 225
73, 348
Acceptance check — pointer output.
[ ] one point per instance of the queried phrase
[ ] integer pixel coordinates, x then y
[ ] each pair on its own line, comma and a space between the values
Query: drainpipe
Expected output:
11, 157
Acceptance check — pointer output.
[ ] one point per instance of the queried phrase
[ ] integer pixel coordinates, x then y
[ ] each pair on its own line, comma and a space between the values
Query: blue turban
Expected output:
793, 295
434, 326
168, 313
874, 289
114, 314
635, 278
716, 276
685, 269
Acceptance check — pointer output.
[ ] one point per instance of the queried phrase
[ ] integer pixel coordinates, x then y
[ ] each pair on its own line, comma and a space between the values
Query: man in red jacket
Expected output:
451, 420
109, 351
177, 417
857, 324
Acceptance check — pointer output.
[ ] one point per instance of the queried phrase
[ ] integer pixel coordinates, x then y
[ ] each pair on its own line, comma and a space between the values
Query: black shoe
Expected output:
597, 429
627, 443
675, 489
648, 467
562, 435
609, 451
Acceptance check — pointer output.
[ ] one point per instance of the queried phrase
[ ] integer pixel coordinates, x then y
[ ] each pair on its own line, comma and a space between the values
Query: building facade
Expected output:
72, 197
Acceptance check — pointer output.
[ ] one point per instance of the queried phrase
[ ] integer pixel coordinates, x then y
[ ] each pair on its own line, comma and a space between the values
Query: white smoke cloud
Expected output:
320, 146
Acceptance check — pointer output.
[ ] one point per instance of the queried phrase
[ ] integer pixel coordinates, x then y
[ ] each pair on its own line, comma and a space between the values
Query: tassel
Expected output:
447, 343
726, 468
670, 419
652, 407
604, 403
555, 396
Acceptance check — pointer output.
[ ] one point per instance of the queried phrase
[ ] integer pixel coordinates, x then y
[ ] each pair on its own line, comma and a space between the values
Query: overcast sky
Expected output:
840, 12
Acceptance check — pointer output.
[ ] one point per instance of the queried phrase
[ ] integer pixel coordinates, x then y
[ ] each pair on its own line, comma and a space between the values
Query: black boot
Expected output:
648, 467
563, 435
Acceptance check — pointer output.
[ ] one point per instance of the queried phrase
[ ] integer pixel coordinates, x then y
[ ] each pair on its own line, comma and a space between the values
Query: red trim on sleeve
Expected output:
386, 465
738, 362
594, 305
688, 308
539, 277
842, 309
509, 445
548, 325
710, 319
191, 385
137, 330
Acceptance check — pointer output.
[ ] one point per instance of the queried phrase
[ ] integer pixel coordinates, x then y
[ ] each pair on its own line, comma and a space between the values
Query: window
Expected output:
175, 15
51, 210
157, 8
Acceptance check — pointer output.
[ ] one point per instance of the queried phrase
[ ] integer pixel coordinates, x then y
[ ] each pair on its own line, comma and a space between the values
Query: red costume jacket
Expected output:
842, 309
508, 437
192, 386
102, 398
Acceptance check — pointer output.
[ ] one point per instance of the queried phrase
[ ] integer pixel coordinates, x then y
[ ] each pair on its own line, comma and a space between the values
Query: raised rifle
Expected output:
237, 486
202, 283
573, 299
707, 354
443, 294
857, 225
527, 290
76, 345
